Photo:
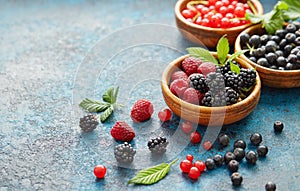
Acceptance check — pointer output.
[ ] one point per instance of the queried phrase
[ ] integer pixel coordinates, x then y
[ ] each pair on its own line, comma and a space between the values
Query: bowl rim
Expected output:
257, 3
237, 47
184, 104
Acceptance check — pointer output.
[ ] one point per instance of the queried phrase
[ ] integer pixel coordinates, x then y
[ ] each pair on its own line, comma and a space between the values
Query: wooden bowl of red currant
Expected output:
205, 22
276, 57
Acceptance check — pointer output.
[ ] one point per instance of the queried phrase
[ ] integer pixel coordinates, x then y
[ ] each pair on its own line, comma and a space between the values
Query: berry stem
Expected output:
253, 9
173, 162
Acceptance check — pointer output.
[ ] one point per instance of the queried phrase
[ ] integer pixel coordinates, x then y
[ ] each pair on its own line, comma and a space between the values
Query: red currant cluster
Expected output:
217, 13
194, 170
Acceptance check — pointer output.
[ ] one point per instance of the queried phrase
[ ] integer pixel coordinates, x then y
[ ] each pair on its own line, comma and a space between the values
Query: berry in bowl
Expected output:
205, 22
211, 88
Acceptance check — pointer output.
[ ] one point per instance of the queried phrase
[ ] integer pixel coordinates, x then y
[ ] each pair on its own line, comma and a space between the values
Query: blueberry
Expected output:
239, 154
297, 33
233, 166
281, 68
239, 144
275, 38
264, 39
263, 62
283, 43
251, 157
287, 49
236, 179
291, 28
228, 157
281, 33
295, 51
292, 58
281, 61
218, 160
297, 41
270, 186
279, 53
244, 38
223, 139
290, 66
253, 59
210, 164
271, 57
274, 67
298, 55
297, 24
290, 37
278, 126
254, 41
271, 46
256, 138
259, 52
262, 150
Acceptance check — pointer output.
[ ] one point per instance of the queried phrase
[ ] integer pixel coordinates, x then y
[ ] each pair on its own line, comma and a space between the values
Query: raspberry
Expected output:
179, 75
206, 68
121, 131
88, 123
158, 145
165, 115
178, 87
141, 110
190, 65
195, 137
124, 153
192, 96
198, 82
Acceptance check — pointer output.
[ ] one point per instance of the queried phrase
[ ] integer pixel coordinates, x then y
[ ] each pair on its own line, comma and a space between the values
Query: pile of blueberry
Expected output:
280, 51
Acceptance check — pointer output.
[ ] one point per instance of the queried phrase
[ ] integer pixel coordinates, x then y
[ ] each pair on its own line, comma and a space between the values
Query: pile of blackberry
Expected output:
124, 153
280, 51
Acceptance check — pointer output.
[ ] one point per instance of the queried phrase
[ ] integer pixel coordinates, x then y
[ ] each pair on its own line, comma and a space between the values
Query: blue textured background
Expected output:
44, 47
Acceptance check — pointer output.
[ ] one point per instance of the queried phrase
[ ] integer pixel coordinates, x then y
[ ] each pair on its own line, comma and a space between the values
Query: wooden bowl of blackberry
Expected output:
276, 57
205, 22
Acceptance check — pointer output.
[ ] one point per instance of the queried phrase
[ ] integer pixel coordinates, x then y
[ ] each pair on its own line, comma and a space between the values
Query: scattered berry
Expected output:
158, 145
124, 153
200, 165
194, 173
121, 131
239, 144
190, 157
278, 126
178, 87
251, 157
223, 139
207, 145
185, 165
233, 166
270, 186
165, 115
88, 123
192, 96
141, 110
262, 150
187, 127
190, 65
218, 159
210, 164
228, 157
239, 154
195, 137
179, 75
236, 179
256, 139
100, 171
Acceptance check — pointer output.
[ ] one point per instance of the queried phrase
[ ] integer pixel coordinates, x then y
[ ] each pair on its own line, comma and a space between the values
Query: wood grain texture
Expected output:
206, 35
270, 77
208, 116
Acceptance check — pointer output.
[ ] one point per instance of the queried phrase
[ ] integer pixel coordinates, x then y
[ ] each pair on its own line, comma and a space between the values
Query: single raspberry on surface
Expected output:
121, 131
179, 75
206, 68
178, 87
141, 110
190, 65
192, 96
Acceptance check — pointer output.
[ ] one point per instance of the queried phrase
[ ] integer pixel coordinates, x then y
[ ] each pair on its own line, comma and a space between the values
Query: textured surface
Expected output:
52, 54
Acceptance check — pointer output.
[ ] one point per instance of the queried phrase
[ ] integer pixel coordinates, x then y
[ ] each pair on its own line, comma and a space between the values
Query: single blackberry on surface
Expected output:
233, 80
198, 82
211, 99
215, 82
124, 153
158, 145
231, 96
248, 76
88, 123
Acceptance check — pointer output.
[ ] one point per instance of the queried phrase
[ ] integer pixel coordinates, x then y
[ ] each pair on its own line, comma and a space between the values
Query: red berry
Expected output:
205, 22
207, 145
229, 16
187, 13
239, 12
235, 22
225, 2
212, 2
200, 165
211, 8
185, 165
141, 110
218, 5
190, 65
234, 3
206, 68
199, 7
246, 6
239, 4
189, 20
190, 157
99, 171
225, 23
187, 127
179, 74
195, 137
194, 173
165, 115
192, 96
121, 131
198, 21
230, 9
178, 87
204, 10
209, 15
223, 10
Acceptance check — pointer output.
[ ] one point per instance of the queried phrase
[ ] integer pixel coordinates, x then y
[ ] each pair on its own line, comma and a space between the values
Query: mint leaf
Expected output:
222, 49
202, 54
293, 11
93, 105
108, 95
234, 68
153, 174
105, 115
236, 54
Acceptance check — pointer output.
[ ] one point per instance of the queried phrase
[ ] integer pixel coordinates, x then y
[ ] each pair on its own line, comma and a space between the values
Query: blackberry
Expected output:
213, 99
198, 82
270, 186
158, 145
210, 164
236, 179
278, 126
233, 80
88, 123
225, 69
248, 76
233, 166
239, 154
262, 150
124, 153
231, 96
251, 157
228, 157
218, 159
239, 144
256, 139
223, 139
215, 82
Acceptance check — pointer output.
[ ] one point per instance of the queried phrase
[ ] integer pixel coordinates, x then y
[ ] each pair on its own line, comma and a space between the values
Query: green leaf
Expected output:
202, 54
108, 96
152, 175
236, 54
293, 11
93, 105
222, 49
105, 115
234, 68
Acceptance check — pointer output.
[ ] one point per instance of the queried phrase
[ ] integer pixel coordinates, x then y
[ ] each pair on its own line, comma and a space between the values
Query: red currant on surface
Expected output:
99, 171
194, 173
185, 165
190, 157
200, 165
195, 137
165, 115
187, 127
207, 145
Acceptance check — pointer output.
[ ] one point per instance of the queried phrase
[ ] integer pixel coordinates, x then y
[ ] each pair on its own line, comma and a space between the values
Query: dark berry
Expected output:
244, 38
254, 41
295, 51
290, 37
248, 76
259, 52
292, 58
274, 67
124, 153
297, 24
158, 145
210, 164
233, 166
214, 99
251, 157
290, 66
225, 69
88, 123
228, 157
279, 53
239, 144
233, 80
215, 82
271, 57
223, 139
198, 82
264, 39
283, 43
231, 96
262, 150
218, 159
270, 186
271, 46
291, 28
275, 38
239, 154
287, 49
256, 138
281, 33
253, 59
297, 41
236, 179
278, 126
281, 61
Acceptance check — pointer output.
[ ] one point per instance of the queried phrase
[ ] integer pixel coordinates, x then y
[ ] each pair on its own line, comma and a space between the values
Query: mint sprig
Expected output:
222, 50
153, 174
107, 106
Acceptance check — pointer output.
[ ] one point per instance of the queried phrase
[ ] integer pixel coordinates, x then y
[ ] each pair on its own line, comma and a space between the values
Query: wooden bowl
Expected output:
208, 116
270, 77
206, 35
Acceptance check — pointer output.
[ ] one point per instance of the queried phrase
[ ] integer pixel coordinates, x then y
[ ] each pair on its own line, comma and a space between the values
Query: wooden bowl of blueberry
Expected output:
276, 57
211, 88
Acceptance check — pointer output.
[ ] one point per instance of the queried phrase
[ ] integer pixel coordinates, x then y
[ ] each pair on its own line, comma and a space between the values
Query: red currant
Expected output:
230, 9
212, 2
225, 22
99, 171
223, 10
190, 157
246, 6
225, 2
239, 12
194, 173
195, 137
239, 4
200, 165
205, 22
185, 165
215, 21
211, 8
165, 115
235, 22
199, 7
204, 10
187, 127
209, 15
198, 21
234, 3
187, 13
207, 145
189, 20
218, 5
229, 16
